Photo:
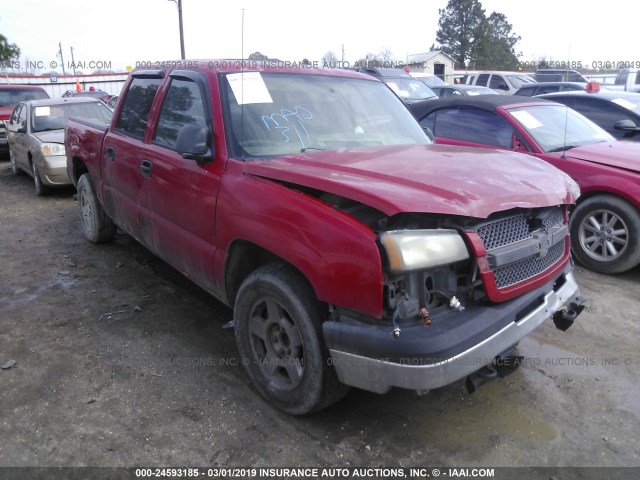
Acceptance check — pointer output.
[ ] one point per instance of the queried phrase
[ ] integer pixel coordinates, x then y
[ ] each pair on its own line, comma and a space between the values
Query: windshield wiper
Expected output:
561, 149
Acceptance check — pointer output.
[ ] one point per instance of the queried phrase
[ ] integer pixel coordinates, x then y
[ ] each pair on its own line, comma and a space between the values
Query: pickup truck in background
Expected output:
353, 251
627, 79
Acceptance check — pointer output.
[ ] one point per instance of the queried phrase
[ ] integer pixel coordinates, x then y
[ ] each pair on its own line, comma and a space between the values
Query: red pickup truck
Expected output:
353, 251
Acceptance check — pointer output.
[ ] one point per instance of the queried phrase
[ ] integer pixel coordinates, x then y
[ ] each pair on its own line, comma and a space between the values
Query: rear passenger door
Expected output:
122, 151
178, 195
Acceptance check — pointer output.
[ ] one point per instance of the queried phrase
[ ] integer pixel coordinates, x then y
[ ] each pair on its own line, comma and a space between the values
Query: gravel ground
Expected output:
159, 382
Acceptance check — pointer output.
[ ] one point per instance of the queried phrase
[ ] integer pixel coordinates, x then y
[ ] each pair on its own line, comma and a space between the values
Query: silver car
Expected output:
35, 133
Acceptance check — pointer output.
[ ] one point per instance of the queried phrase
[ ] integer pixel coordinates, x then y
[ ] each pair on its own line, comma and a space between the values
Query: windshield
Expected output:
15, 96
287, 113
518, 80
431, 81
409, 89
556, 127
53, 117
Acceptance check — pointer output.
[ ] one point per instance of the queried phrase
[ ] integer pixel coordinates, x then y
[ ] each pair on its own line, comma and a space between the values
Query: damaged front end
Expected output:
459, 293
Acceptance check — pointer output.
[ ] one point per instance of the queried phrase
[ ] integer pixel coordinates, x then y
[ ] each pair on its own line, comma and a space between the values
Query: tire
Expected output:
14, 165
279, 335
605, 234
41, 189
96, 225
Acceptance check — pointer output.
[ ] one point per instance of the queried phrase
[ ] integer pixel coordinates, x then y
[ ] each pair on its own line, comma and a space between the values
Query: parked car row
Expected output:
605, 226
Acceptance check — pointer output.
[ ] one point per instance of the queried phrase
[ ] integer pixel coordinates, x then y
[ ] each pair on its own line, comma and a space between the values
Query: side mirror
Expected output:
502, 86
429, 133
193, 143
625, 125
517, 145
22, 129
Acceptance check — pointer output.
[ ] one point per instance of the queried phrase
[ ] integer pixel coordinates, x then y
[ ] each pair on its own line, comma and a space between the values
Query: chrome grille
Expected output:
554, 218
528, 267
504, 231
509, 230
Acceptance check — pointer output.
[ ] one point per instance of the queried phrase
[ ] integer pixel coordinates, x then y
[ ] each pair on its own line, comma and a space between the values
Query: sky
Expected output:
121, 33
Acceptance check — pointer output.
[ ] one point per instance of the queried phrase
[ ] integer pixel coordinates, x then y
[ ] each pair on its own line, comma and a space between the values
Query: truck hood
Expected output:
620, 154
441, 179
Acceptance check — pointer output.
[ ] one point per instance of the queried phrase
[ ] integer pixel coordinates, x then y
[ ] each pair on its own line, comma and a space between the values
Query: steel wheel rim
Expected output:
603, 235
87, 211
276, 344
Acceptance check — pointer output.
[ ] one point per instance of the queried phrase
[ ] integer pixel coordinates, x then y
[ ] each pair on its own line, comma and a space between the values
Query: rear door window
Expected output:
134, 113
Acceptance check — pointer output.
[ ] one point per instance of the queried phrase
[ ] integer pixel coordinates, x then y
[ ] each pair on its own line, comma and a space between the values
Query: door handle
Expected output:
111, 154
145, 168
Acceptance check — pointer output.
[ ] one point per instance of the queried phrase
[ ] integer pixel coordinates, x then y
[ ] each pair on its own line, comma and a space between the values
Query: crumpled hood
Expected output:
425, 178
52, 136
621, 154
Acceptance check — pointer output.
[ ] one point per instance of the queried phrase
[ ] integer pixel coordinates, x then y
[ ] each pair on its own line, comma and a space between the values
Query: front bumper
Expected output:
53, 170
368, 357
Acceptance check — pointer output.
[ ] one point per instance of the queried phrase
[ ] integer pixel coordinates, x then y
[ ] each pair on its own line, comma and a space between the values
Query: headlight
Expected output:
418, 249
51, 149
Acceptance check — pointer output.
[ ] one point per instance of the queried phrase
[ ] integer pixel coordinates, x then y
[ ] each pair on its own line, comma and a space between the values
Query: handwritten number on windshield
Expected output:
290, 123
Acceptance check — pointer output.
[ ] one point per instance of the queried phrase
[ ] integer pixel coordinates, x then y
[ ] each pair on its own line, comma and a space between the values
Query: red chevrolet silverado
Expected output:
353, 251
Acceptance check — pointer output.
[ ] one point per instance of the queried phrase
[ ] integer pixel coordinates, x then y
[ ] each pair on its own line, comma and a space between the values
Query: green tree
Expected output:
475, 40
458, 27
496, 44
8, 51
258, 56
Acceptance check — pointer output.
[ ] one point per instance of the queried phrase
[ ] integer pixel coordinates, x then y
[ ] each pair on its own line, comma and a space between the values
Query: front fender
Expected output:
337, 254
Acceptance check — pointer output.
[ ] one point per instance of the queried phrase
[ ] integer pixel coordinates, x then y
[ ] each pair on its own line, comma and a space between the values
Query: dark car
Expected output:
458, 90
616, 112
409, 89
605, 226
10, 96
534, 89
544, 75
99, 94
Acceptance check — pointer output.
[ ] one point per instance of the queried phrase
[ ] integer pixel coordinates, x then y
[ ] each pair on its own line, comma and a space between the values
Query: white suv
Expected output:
506, 83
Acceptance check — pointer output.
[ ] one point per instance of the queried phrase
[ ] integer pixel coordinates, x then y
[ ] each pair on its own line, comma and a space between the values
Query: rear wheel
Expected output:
605, 234
96, 225
279, 336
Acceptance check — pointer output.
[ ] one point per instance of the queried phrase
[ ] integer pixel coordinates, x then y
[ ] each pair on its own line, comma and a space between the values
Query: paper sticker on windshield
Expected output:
42, 111
623, 102
249, 87
526, 119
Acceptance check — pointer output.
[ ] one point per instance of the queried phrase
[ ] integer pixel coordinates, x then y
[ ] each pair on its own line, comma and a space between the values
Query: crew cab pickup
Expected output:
353, 251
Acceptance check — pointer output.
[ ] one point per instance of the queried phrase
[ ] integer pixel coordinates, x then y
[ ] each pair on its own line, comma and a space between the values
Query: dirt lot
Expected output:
160, 383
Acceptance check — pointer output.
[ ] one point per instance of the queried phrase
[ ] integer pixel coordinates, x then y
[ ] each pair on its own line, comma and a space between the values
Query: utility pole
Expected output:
61, 58
179, 4
73, 62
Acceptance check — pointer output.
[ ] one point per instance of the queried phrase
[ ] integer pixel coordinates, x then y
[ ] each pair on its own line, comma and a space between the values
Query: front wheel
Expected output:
96, 225
278, 332
14, 165
41, 189
605, 234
